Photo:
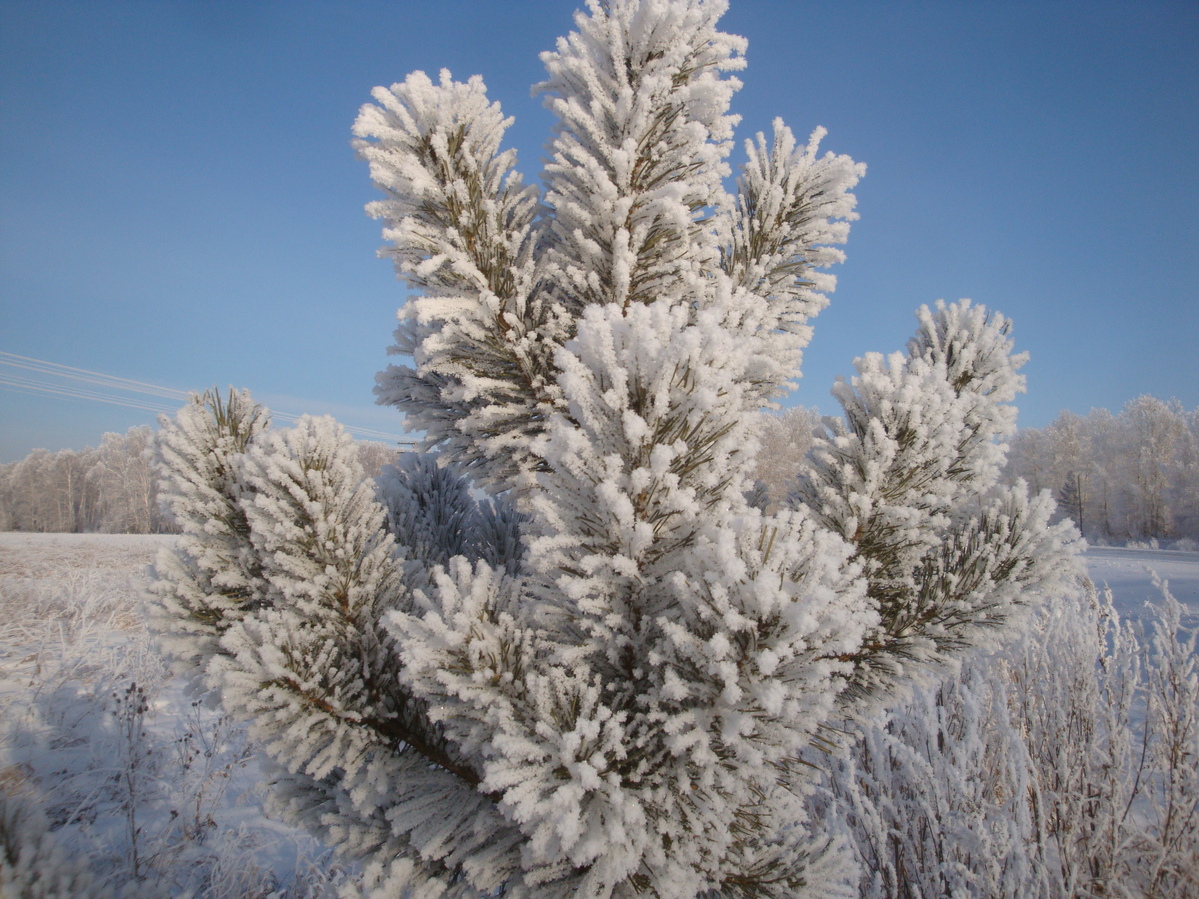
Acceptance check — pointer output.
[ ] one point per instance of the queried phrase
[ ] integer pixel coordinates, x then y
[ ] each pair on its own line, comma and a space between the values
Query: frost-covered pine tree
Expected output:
598, 682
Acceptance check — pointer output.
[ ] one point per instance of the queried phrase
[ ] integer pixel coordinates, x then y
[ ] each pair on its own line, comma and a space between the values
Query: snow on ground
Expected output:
1129, 573
74, 642
134, 776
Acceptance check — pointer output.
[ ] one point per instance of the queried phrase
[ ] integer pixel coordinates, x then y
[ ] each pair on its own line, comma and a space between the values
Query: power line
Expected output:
97, 387
90, 377
28, 385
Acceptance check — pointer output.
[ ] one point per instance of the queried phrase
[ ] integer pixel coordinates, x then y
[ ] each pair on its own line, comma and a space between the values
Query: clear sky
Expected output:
179, 203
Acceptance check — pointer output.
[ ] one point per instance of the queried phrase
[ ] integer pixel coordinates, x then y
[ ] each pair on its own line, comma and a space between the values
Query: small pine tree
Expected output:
597, 683
1073, 497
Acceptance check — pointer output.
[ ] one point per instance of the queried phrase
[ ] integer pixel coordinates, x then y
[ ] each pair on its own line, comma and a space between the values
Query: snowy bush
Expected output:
1063, 767
600, 681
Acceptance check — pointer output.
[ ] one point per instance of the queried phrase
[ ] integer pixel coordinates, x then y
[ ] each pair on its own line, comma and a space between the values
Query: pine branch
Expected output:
463, 235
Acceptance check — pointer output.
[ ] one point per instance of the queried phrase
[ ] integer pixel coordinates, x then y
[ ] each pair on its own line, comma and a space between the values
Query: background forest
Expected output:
108, 489
1133, 475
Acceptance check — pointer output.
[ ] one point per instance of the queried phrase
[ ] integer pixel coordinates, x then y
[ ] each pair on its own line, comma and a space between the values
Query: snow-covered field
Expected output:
158, 790
1129, 573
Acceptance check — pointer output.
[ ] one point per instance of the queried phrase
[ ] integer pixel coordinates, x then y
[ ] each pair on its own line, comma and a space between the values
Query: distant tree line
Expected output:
1129, 476
106, 489
1133, 475
784, 439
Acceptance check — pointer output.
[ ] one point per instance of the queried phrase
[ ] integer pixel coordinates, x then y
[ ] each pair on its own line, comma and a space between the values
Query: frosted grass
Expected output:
145, 788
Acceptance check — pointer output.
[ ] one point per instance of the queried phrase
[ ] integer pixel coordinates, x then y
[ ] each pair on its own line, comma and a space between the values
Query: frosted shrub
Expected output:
598, 681
33, 862
1065, 766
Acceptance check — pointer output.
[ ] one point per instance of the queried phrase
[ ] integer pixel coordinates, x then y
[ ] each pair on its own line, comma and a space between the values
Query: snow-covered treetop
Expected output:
632, 210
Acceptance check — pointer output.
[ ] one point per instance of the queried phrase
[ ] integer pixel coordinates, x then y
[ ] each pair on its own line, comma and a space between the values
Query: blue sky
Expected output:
179, 204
